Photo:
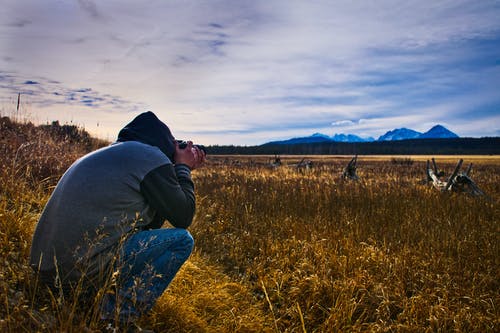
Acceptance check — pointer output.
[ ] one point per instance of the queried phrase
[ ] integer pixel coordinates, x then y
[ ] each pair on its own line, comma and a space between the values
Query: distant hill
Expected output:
436, 132
310, 139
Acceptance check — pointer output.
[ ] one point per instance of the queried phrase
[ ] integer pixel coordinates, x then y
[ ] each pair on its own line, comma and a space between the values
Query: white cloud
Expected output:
343, 123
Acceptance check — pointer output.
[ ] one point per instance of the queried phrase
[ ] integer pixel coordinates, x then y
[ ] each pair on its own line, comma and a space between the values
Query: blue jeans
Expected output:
148, 263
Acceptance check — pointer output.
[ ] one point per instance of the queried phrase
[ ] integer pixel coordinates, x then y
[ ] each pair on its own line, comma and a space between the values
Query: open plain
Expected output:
283, 249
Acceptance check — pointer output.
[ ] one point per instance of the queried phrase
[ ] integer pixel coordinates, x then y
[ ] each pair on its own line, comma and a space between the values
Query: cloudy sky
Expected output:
249, 72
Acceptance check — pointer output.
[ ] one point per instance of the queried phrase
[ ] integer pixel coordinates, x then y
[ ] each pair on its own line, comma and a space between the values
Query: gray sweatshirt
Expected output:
109, 194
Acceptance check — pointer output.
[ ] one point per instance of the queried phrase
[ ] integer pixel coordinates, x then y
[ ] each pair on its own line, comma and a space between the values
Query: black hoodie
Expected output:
147, 128
129, 186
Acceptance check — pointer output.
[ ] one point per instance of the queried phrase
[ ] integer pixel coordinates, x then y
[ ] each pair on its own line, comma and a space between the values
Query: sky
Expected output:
249, 72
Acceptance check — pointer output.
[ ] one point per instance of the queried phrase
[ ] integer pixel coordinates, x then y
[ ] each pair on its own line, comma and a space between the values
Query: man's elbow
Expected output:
184, 218
183, 223
183, 214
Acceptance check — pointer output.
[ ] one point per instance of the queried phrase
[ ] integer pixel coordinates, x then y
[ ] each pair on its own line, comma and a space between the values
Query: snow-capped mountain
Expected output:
438, 132
399, 134
349, 138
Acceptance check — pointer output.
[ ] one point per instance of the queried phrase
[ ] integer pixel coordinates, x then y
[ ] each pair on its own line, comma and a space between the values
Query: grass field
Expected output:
283, 250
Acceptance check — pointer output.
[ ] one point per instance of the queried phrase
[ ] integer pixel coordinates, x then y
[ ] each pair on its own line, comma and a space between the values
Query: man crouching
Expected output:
104, 217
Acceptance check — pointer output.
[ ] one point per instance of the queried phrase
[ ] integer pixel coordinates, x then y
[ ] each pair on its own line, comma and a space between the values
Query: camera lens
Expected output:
183, 145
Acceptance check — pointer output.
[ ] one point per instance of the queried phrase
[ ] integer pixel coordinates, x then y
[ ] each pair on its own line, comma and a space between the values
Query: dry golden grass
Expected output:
279, 250
385, 253
203, 299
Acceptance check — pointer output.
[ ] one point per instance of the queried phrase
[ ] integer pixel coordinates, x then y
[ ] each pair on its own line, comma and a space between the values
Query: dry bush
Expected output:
32, 160
35, 153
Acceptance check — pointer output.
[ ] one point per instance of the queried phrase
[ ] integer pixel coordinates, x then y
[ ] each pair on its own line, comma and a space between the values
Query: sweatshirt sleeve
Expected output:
170, 191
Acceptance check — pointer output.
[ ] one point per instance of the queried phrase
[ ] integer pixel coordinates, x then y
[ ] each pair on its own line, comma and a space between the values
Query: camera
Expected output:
183, 145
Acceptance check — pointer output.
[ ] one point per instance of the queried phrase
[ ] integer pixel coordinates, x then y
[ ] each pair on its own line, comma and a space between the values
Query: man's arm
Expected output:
170, 191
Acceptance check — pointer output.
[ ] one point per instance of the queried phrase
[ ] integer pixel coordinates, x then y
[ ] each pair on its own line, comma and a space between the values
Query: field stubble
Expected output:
385, 253
282, 250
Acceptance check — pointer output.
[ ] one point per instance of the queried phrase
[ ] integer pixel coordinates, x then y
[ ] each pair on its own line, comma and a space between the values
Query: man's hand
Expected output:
191, 156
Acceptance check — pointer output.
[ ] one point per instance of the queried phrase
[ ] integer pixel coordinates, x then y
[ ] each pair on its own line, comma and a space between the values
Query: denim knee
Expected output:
187, 242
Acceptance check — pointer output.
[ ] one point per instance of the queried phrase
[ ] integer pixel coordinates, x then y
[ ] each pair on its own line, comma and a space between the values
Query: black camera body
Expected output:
183, 145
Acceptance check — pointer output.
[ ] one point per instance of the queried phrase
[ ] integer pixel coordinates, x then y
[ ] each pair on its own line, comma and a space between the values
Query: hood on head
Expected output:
148, 129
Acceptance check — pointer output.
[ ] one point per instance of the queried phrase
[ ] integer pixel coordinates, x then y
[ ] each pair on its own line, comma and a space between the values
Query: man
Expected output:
104, 217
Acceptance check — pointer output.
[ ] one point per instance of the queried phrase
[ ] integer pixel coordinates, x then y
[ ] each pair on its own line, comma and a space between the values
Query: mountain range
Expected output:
436, 132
